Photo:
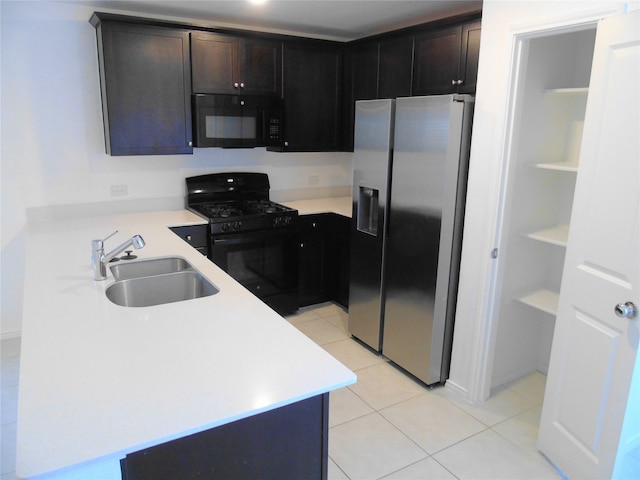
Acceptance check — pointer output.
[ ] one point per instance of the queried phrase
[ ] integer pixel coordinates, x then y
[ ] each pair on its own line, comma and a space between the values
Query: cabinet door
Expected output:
437, 59
261, 66
145, 78
364, 72
227, 64
290, 442
311, 91
469, 55
194, 235
362, 79
396, 59
314, 252
340, 257
215, 62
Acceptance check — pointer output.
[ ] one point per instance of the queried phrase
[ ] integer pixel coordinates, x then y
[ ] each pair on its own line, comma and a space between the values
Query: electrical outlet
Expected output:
118, 190
314, 180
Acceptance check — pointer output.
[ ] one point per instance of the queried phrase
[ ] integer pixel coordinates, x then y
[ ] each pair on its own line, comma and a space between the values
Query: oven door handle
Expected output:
250, 237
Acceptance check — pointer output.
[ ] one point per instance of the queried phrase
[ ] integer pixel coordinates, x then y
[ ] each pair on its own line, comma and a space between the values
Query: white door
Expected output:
594, 350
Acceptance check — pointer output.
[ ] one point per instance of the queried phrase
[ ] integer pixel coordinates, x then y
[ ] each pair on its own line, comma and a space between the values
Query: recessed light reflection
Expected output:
257, 2
262, 400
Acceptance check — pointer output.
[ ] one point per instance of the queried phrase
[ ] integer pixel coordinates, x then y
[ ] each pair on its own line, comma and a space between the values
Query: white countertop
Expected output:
98, 380
339, 205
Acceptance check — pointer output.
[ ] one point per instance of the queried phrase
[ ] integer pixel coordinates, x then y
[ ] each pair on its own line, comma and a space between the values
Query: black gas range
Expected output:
252, 238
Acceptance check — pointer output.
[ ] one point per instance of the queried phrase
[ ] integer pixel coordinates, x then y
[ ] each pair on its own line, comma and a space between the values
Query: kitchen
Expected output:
54, 70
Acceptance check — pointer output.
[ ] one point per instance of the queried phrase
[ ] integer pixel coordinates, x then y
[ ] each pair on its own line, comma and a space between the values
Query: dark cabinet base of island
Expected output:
290, 442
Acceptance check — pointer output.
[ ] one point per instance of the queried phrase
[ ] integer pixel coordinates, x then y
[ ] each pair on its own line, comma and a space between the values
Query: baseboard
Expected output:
457, 389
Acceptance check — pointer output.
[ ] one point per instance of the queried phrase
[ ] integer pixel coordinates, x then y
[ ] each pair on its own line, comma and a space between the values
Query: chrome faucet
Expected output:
99, 260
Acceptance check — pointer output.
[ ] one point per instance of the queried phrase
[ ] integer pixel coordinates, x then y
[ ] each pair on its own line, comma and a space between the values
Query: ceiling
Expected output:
341, 20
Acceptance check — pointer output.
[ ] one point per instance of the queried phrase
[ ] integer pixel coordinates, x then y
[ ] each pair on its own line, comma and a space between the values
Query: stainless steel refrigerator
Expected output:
409, 182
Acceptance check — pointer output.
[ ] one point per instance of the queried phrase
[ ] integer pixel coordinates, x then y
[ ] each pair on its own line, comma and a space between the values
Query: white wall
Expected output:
472, 348
53, 144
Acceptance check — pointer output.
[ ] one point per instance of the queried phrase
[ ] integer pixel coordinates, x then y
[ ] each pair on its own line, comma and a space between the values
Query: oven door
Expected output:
264, 262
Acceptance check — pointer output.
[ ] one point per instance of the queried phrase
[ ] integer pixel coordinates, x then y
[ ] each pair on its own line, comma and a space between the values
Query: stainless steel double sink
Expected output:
157, 281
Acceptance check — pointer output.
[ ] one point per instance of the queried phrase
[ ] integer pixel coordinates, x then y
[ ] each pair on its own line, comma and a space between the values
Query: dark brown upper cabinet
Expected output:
312, 83
376, 69
394, 70
360, 83
145, 78
446, 60
469, 56
363, 72
229, 64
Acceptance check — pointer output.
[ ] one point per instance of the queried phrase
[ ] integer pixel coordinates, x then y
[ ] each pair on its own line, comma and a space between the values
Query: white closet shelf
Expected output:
544, 300
567, 91
556, 235
561, 166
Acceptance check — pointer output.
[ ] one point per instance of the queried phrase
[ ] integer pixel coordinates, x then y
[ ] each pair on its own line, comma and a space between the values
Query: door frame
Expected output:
483, 344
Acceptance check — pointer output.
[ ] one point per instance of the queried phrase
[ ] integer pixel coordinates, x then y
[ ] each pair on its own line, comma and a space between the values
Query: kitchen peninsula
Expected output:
99, 382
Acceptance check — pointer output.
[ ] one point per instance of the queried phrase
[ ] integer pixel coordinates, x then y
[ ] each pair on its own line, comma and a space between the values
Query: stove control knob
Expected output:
225, 227
237, 225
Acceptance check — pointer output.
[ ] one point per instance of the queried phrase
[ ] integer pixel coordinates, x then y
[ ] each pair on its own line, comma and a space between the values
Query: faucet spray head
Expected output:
137, 241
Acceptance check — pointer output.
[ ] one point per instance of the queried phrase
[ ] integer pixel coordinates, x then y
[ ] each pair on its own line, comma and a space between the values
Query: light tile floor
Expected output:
386, 425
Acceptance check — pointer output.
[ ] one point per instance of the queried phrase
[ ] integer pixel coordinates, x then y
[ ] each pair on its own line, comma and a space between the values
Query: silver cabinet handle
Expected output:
456, 82
190, 144
236, 85
626, 310
241, 84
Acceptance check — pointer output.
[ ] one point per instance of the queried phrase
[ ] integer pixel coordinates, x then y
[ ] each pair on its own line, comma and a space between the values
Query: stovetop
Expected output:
223, 210
237, 202
246, 216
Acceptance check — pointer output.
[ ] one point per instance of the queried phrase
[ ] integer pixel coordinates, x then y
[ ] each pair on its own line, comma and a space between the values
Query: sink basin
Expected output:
147, 268
160, 289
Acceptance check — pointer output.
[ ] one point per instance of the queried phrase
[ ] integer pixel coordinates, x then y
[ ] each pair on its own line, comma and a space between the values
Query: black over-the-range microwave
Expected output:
236, 121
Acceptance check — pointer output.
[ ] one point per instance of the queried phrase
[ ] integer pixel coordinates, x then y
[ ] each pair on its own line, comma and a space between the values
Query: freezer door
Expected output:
373, 138
429, 179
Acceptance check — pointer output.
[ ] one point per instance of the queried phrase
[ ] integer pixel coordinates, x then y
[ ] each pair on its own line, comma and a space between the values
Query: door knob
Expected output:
626, 310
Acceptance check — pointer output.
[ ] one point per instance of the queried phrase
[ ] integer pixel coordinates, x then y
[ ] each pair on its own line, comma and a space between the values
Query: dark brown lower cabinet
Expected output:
341, 256
324, 259
290, 442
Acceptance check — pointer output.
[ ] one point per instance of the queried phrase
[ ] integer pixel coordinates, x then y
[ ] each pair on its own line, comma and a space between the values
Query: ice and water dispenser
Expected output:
367, 219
